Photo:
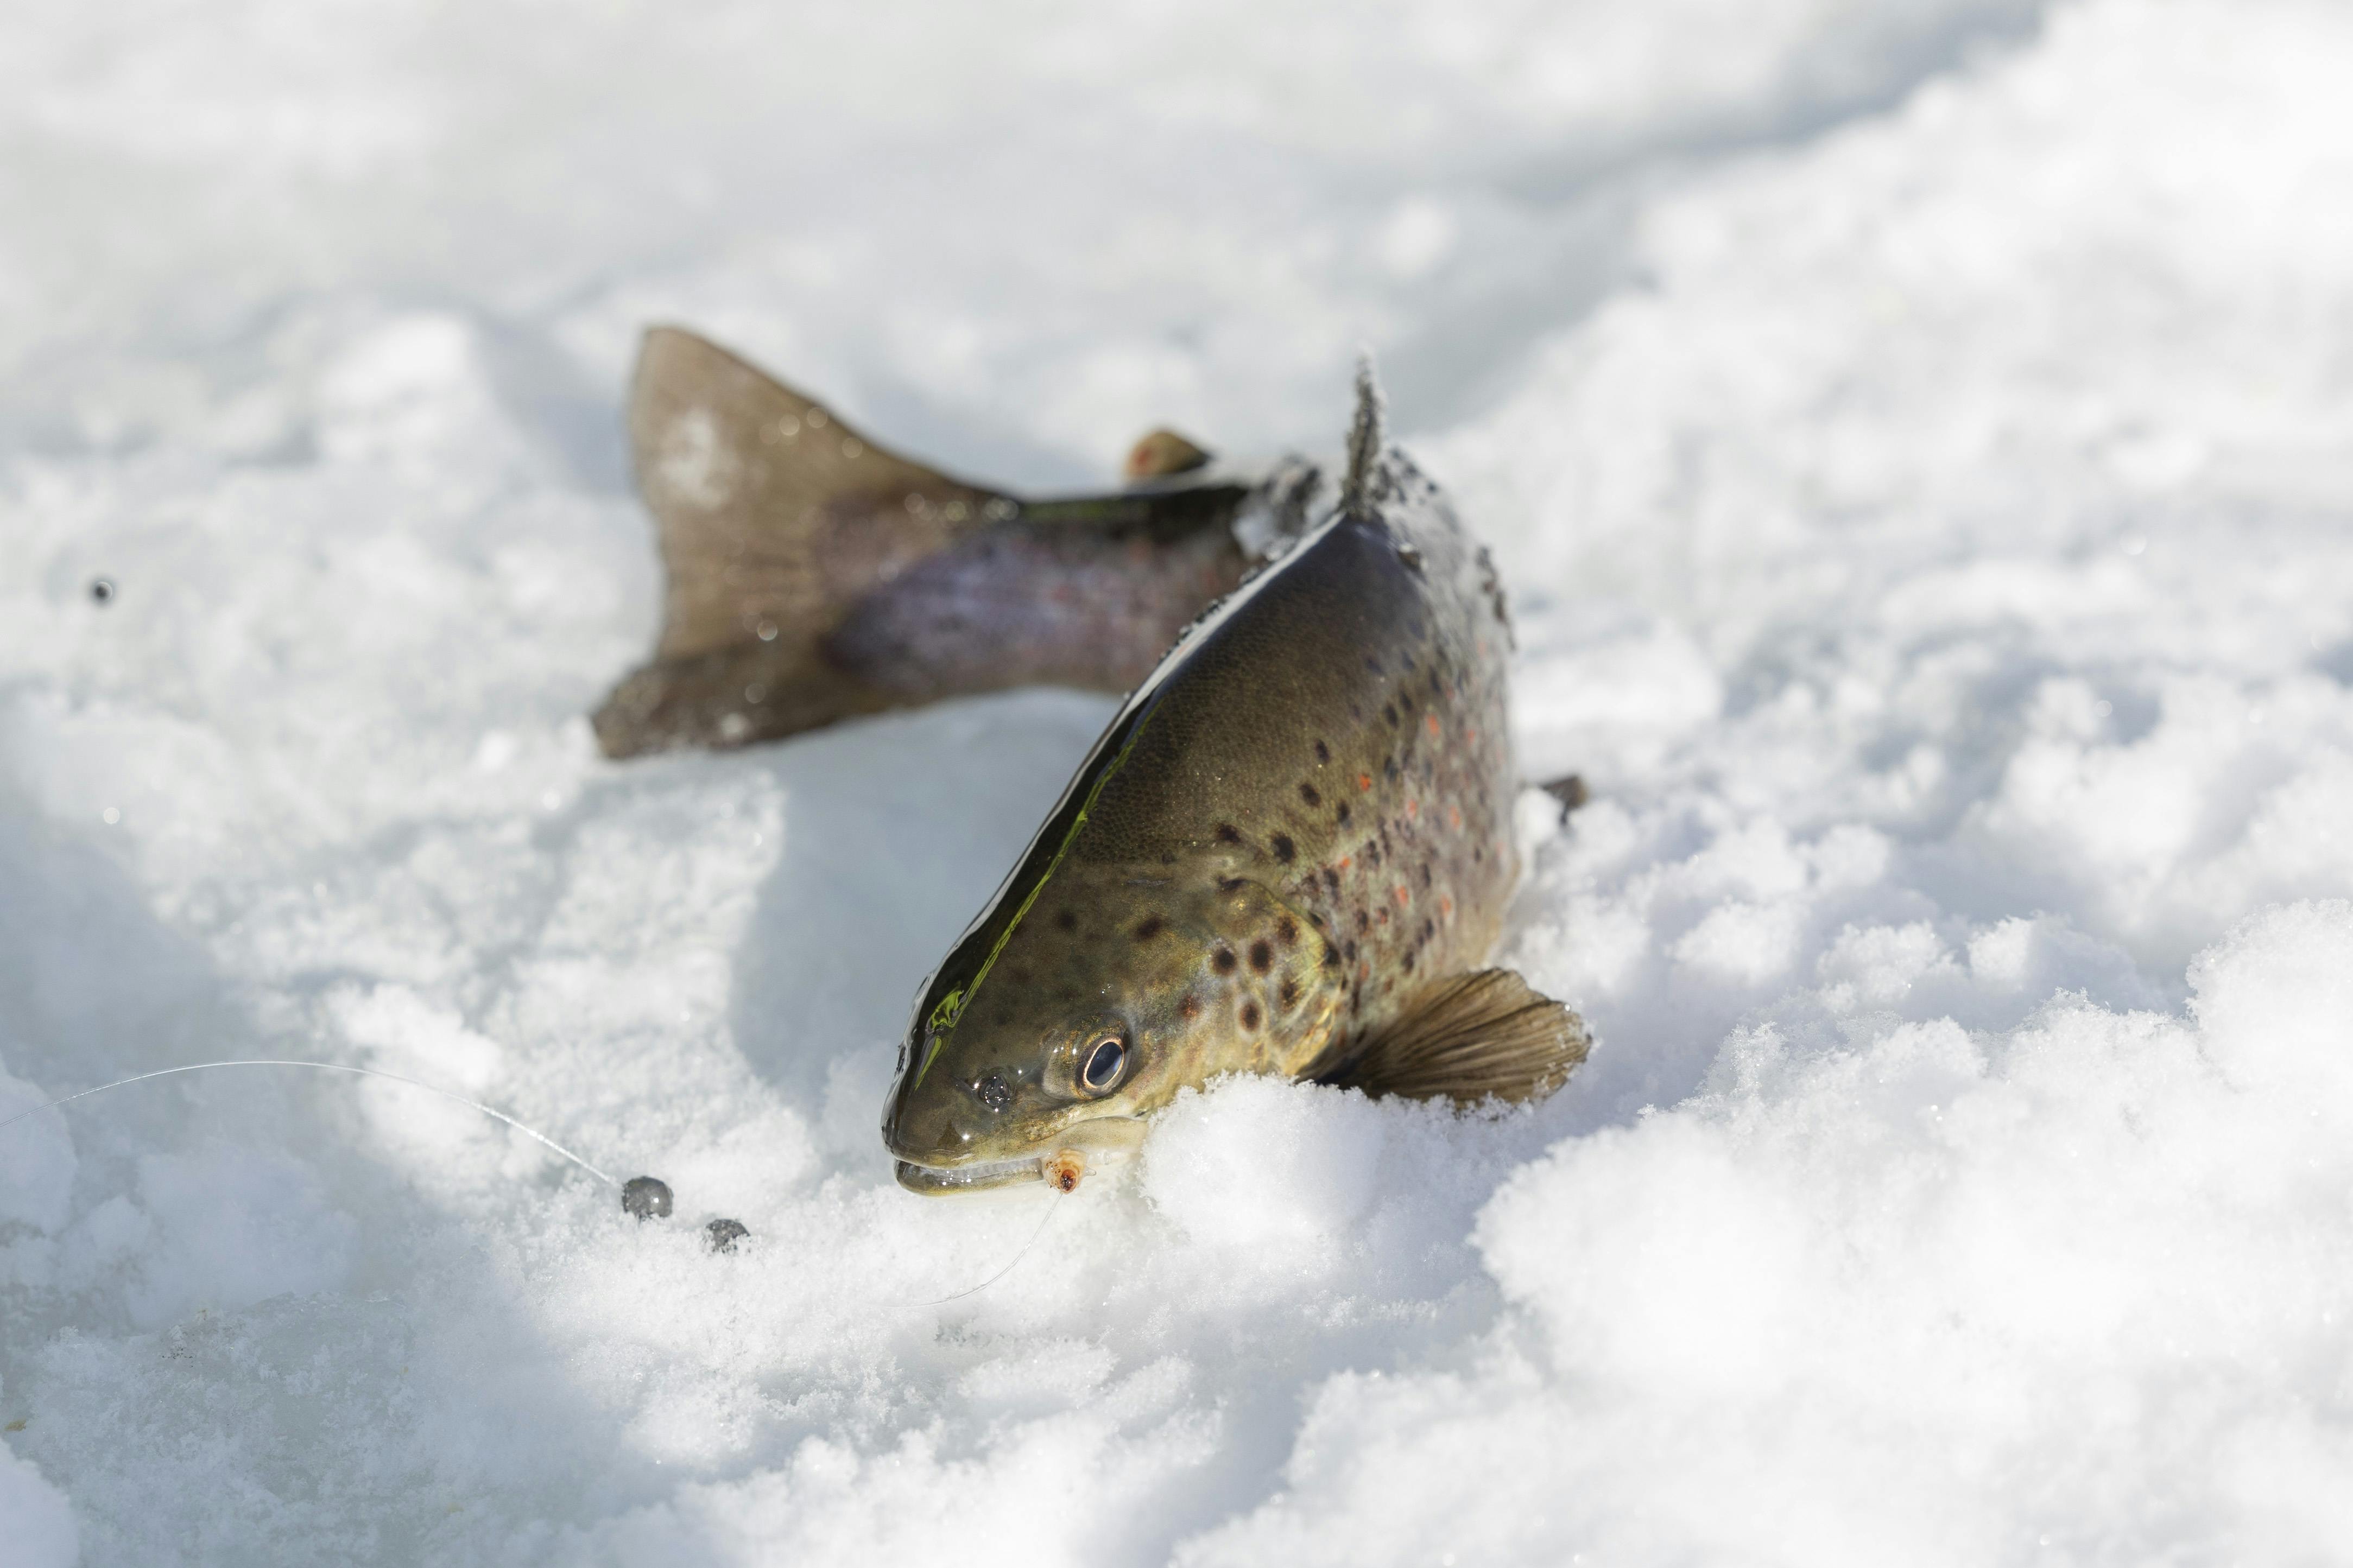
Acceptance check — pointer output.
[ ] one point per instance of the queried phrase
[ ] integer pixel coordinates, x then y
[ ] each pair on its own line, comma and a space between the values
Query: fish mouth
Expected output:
947, 1181
1062, 1163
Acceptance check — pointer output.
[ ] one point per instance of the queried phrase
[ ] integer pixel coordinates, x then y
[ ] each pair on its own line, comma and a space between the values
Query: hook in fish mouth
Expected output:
1089, 1146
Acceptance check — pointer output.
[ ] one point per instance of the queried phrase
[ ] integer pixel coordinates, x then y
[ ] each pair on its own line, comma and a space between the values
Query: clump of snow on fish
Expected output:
1918, 446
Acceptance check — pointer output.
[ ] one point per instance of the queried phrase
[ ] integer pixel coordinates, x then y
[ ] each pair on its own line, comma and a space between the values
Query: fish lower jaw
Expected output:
1092, 1145
953, 1181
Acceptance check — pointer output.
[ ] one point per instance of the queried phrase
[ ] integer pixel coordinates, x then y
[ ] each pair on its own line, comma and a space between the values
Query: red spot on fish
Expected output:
1403, 896
1413, 808
1446, 906
1454, 817
1364, 781
1431, 720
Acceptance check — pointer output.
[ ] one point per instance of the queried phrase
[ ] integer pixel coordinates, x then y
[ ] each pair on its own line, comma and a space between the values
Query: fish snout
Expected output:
930, 1128
948, 1122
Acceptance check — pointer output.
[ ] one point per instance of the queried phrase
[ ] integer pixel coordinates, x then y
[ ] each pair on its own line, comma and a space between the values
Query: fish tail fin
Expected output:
1363, 439
775, 518
1469, 1037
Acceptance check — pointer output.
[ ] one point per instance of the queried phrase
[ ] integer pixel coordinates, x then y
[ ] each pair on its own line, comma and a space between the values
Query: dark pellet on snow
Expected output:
647, 1197
725, 1233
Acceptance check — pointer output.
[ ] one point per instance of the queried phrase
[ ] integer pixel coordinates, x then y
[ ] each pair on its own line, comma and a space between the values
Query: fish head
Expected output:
1040, 1047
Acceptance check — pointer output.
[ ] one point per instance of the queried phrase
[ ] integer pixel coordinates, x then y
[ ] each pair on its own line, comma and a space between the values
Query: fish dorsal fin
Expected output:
1474, 1035
774, 517
1364, 441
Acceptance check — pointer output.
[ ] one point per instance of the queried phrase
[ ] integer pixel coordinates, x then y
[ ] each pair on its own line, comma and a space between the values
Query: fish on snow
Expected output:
1290, 853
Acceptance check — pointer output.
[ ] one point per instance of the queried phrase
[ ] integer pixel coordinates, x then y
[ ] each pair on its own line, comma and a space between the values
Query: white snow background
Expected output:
1918, 436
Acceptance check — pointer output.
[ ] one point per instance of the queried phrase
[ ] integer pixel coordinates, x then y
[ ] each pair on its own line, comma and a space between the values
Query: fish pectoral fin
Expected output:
1467, 1038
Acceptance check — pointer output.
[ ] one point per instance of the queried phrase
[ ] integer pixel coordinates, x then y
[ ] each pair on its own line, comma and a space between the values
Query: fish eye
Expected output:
1103, 1064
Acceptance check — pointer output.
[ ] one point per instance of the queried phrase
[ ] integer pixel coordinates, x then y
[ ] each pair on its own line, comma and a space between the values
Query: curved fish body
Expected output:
814, 575
1290, 854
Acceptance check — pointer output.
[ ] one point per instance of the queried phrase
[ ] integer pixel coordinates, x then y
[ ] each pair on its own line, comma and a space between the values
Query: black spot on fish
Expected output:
1389, 713
1388, 766
1150, 927
1425, 873
1364, 922
1284, 849
1427, 931
1286, 930
1331, 956
1322, 753
1250, 1015
1331, 882
1227, 834
1261, 956
1286, 995
1223, 961
1066, 919
1189, 1005
1374, 665
1341, 816
1308, 792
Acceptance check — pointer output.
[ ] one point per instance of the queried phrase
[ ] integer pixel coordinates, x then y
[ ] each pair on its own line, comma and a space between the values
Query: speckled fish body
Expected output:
1292, 840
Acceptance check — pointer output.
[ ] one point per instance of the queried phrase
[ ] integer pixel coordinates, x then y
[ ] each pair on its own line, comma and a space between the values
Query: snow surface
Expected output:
1919, 439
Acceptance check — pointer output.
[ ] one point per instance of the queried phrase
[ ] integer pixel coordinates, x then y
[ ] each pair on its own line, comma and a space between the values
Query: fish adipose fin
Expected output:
1568, 791
776, 517
1469, 1037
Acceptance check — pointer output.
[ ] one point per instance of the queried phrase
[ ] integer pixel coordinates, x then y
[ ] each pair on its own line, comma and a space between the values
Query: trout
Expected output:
1290, 853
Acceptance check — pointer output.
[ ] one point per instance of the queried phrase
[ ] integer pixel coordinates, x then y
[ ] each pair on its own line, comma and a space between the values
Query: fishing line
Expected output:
1043, 1221
494, 1114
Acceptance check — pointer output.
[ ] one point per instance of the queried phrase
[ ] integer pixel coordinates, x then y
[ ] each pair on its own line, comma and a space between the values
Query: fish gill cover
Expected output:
1915, 442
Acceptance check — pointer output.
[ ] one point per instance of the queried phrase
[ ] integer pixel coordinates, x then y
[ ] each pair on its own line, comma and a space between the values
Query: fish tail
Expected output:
776, 517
